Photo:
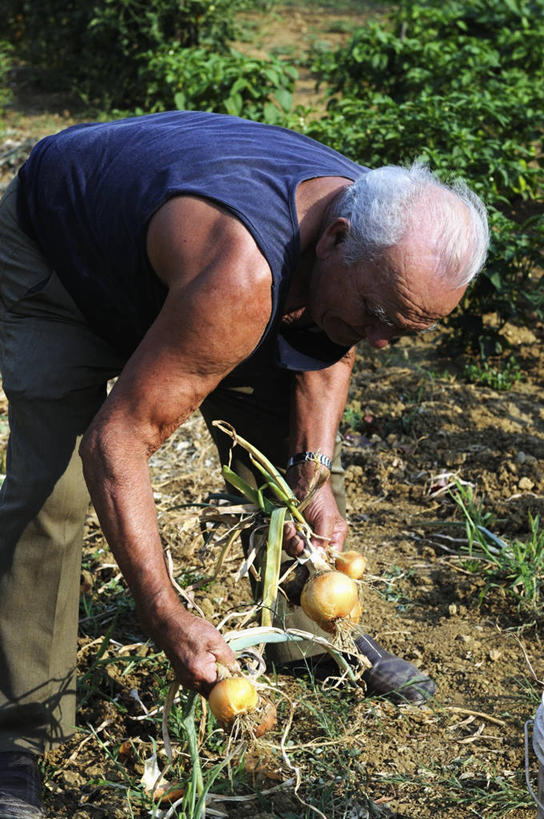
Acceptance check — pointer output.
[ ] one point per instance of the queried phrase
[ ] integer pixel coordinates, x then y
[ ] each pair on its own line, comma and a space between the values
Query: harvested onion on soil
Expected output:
351, 563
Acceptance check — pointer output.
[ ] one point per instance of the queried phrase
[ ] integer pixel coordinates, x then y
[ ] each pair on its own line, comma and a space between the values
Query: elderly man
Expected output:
209, 262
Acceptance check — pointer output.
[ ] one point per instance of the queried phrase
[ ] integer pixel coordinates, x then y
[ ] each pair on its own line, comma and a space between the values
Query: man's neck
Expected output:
313, 199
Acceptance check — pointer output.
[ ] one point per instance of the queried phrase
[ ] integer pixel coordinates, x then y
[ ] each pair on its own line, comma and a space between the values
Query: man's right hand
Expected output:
193, 646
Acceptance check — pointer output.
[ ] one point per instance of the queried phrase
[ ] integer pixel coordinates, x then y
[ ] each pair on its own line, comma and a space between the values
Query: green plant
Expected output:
470, 787
353, 418
392, 593
499, 378
230, 83
98, 48
518, 566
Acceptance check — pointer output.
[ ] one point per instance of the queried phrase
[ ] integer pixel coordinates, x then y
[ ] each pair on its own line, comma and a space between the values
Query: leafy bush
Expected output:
473, 135
462, 86
98, 48
198, 79
431, 47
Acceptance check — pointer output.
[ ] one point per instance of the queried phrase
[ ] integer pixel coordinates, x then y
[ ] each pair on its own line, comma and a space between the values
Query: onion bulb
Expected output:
351, 563
231, 697
328, 597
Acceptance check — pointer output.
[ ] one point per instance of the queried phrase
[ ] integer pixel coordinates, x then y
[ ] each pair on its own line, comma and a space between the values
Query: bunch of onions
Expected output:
236, 699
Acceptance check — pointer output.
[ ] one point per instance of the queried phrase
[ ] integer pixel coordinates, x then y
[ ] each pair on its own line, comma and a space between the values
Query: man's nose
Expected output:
378, 335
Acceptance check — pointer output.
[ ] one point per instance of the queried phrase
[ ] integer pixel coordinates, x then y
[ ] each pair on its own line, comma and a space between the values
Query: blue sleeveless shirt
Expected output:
86, 196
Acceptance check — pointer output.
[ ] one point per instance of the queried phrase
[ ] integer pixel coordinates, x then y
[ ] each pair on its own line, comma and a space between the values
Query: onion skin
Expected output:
268, 718
351, 563
230, 697
328, 597
166, 795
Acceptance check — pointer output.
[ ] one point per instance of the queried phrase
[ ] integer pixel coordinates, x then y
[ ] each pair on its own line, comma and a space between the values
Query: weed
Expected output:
517, 566
496, 377
392, 592
413, 405
353, 418
341, 27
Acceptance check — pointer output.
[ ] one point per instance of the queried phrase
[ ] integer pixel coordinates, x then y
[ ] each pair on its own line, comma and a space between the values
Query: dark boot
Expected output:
391, 677
20, 786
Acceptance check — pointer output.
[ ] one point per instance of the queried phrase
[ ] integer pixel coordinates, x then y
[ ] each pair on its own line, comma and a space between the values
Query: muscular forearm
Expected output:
117, 476
118, 479
318, 402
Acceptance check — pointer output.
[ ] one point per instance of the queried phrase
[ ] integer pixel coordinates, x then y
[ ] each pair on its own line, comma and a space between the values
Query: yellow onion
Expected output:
231, 697
328, 597
351, 563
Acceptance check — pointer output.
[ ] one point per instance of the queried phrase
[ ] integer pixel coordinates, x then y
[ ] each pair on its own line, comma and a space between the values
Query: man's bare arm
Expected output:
196, 340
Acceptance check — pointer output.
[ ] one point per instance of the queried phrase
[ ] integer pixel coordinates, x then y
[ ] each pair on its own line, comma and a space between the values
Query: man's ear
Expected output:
332, 236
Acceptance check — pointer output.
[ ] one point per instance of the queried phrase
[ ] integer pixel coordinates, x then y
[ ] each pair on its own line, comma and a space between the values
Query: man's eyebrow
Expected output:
381, 314
428, 329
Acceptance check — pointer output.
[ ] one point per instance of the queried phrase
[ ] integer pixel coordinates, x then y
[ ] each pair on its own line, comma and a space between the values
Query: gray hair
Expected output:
383, 205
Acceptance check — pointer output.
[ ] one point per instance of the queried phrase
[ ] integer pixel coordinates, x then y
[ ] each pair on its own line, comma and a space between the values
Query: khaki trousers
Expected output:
55, 372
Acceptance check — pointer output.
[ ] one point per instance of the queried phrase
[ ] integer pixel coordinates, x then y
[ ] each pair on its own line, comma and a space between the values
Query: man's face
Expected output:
353, 302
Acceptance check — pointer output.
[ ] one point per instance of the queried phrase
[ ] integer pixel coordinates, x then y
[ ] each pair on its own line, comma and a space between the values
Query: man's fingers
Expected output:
292, 541
234, 667
339, 535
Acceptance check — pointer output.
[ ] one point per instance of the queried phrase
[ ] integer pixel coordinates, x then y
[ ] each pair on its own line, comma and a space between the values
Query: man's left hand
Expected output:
321, 513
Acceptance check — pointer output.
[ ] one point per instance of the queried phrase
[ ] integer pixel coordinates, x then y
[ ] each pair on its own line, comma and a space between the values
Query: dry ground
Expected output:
484, 653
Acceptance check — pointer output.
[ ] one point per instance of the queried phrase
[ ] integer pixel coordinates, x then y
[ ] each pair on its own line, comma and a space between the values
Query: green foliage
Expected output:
199, 79
132, 55
353, 418
460, 85
499, 378
518, 566
440, 47
98, 48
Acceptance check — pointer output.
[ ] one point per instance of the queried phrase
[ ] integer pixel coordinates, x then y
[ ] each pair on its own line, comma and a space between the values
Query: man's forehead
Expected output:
421, 297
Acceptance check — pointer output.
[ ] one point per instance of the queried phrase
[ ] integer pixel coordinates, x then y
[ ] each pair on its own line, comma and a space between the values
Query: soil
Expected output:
420, 425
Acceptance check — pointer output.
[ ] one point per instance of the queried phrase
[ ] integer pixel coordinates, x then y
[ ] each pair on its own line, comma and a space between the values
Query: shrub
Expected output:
462, 86
198, 79
98, 48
